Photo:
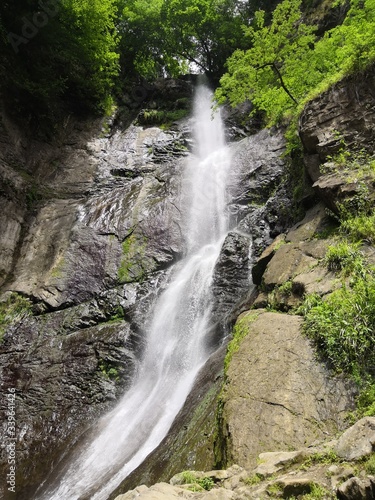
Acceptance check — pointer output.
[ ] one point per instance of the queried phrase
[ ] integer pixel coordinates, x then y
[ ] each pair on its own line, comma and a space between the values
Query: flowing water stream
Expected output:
176, 346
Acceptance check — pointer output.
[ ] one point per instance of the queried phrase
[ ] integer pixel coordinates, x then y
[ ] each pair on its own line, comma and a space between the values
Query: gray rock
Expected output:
277, 390
272, 462
358, 441
357, 489
231, 279
344, 114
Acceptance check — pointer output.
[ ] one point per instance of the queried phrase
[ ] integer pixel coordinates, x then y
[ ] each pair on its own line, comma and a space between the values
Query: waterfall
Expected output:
176, 348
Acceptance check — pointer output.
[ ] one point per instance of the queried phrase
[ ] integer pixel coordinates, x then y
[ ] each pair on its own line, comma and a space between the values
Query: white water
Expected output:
175, 349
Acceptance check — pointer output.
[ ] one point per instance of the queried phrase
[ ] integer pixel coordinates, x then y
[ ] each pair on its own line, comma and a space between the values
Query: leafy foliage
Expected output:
164, 37
189, 477
287, 65
12, 310
343, 257
58, 54
343, 324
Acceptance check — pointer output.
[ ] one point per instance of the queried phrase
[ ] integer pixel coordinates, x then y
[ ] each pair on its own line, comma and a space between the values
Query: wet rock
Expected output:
277, 390
358, 441
257, 164
63, 382
231, 279
92, 247
189, 443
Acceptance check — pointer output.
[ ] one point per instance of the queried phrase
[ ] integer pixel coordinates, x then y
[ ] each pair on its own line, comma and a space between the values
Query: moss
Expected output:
109, 370
253, 480
240, 330
162, 118
57, 270
134, 264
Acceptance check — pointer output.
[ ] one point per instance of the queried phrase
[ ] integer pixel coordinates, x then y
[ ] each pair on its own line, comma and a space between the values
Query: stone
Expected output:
357, 489
159, 491
230, 279
276, 389
292, 487
314, 221
358, 441
340, 474
342, 115
289, 261
260, 265
318, 280
345, 112
272, 462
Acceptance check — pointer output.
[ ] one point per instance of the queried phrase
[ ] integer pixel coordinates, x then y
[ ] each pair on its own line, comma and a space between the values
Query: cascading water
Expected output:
176, 346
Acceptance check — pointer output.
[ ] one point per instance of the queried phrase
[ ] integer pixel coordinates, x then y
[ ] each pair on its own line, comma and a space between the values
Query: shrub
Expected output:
343, 325
360, 228
14, 309
370, 465
343, 257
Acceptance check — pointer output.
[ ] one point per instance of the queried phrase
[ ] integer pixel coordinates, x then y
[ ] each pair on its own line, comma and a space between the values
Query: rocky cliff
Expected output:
277, 396
91, 230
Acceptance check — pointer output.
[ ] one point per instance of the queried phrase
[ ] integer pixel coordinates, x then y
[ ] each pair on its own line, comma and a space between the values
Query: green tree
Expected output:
57, 55
203, 32
166, 36
269, 73
287, 65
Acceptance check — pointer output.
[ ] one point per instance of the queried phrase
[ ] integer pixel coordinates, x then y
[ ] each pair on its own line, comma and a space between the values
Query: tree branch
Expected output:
278, 74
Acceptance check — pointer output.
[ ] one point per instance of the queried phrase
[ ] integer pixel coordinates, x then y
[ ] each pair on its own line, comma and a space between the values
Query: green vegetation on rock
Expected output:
133, 263
14, 309
287, 64
192, 478
240, 330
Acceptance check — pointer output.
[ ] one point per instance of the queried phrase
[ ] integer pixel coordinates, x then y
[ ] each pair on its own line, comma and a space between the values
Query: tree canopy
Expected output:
165, 36
57, 51
59, 54
286, 62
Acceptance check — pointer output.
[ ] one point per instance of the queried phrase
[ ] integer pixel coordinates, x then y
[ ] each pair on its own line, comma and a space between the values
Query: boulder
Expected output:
358, 441
276, 390
272, 462
357, 489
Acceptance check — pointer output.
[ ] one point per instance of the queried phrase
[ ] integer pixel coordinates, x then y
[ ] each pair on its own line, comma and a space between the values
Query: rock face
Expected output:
342, 118
92, 228
275, 389
345, 112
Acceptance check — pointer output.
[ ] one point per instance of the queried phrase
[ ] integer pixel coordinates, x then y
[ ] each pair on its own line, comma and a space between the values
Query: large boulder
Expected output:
277, 395
358, 441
